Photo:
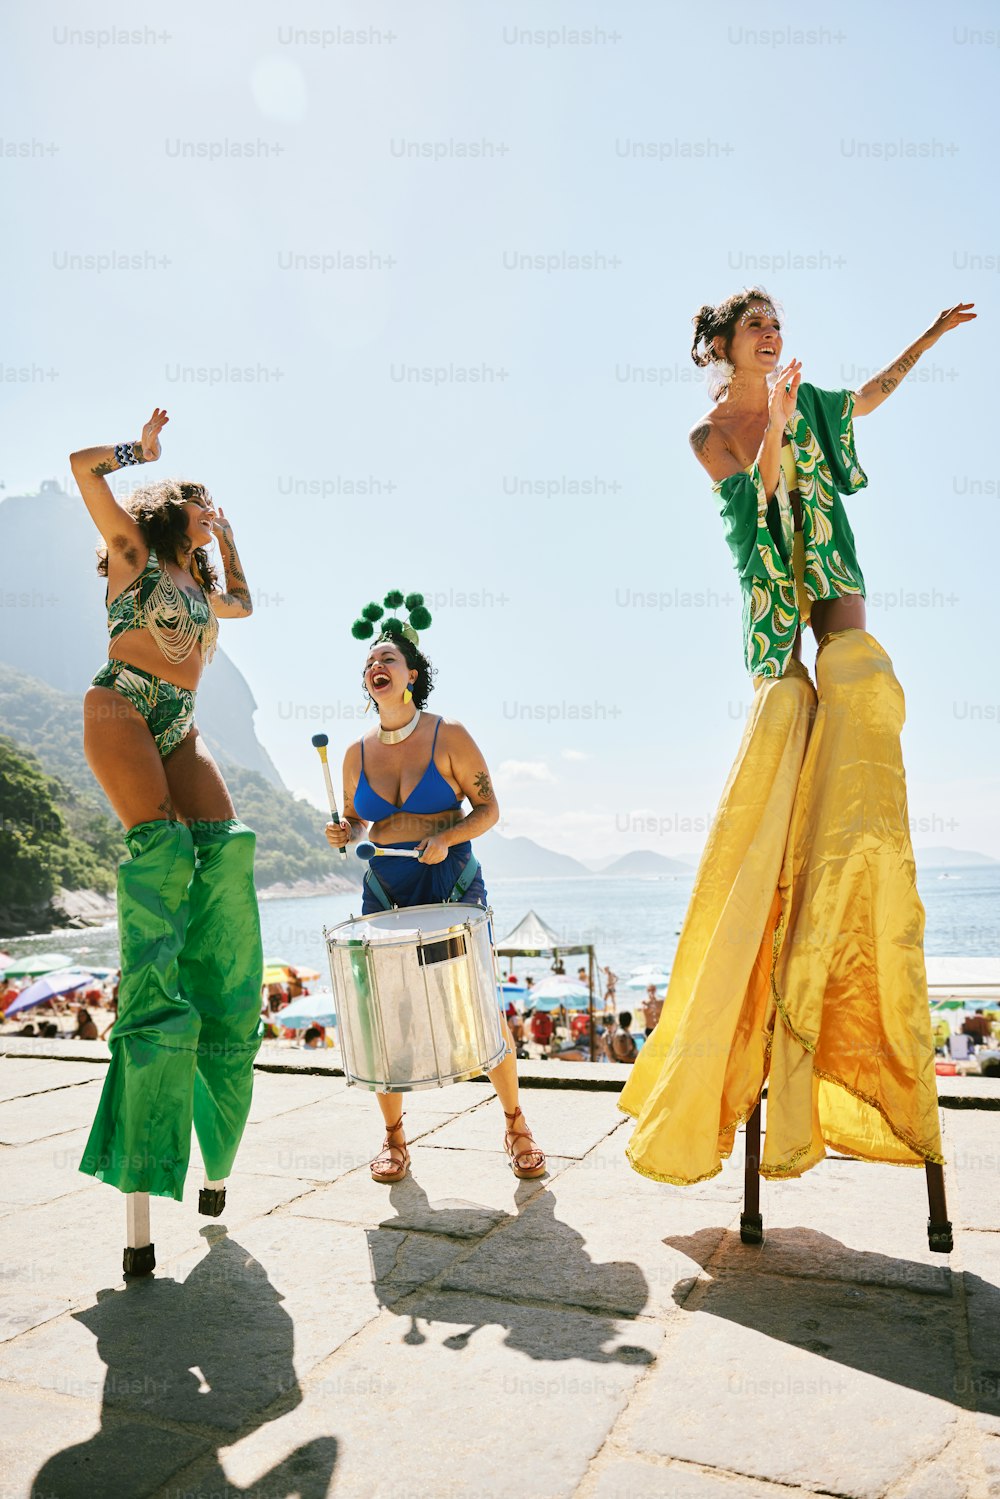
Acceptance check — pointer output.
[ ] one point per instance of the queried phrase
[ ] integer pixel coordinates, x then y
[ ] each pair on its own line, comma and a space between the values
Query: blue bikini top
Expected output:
424, 798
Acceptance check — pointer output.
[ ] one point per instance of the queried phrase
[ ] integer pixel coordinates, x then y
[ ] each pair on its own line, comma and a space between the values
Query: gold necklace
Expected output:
396, 736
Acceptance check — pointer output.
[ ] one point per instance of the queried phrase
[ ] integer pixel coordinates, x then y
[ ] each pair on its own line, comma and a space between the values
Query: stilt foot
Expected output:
751, 1228
939, 1237
212, 1201
141, 1261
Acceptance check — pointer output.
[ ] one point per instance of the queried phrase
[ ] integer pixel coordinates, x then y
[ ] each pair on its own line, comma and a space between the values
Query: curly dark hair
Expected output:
415, 660
159, 512
711, 323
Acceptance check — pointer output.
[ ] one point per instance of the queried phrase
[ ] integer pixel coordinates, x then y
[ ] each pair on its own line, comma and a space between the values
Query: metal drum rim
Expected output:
330, 933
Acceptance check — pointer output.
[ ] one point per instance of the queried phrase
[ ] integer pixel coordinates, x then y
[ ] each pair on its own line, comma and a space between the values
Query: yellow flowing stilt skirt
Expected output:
801, 956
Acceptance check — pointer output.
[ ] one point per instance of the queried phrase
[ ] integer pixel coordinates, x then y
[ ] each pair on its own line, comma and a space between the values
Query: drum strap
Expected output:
465, 879
462, 884
375, 886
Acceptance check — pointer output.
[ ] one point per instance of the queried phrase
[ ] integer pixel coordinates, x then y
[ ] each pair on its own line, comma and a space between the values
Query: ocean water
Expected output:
630, 922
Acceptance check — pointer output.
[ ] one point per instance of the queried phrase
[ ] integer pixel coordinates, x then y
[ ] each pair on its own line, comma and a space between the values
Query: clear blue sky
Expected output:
846, 156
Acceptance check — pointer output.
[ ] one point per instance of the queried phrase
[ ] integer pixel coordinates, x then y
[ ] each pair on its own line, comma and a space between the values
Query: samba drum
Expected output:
416, 995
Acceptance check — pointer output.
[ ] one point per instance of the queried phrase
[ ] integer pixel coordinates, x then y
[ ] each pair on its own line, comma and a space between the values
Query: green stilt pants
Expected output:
189, 1007
221, 972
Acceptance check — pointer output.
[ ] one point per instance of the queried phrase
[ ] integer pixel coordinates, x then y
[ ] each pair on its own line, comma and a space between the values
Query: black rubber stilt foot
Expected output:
212, 1201
939, 1237
751, 1228
140, 1261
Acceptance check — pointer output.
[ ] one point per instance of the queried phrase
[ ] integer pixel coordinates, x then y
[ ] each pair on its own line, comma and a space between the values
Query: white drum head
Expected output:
407, 924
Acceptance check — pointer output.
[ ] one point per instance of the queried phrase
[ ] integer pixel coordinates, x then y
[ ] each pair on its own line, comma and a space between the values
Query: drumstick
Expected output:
320, 741
371, 851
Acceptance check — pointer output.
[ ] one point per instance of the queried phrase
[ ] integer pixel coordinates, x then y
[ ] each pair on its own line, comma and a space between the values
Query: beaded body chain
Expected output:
167, 616
167, 612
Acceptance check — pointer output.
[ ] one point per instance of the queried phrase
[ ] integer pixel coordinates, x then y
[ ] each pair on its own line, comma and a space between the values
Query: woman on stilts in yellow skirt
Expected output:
801, 956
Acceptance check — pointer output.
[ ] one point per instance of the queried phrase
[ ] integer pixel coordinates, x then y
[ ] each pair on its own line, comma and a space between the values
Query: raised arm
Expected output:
881, 386
90, 465
234, 601
468, 768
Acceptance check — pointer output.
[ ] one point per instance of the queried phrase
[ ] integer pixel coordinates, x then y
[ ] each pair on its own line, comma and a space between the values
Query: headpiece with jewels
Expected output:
418, 617
757, 309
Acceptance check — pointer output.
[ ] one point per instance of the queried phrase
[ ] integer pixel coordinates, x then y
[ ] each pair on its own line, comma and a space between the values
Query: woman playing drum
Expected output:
407, 781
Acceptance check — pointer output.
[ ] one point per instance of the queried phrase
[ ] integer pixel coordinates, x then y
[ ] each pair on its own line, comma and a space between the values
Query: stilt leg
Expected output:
212, 1198
751, 1222
139, 1258
939, 1236
221, 967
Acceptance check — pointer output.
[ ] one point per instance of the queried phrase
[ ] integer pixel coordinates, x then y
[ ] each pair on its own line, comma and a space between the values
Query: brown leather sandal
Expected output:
525, 1164
394, 1170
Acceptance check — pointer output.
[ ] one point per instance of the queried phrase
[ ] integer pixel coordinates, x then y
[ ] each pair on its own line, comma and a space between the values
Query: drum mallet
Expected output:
371, 851
320, 741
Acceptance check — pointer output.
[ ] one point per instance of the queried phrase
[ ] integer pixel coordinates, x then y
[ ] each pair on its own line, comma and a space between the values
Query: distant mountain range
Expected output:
523, 859
951, 858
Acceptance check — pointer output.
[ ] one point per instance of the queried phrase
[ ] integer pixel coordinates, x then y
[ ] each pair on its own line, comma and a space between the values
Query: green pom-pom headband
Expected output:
419, 617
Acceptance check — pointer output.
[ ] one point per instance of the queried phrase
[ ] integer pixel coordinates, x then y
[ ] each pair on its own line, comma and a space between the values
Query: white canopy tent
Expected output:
534, 938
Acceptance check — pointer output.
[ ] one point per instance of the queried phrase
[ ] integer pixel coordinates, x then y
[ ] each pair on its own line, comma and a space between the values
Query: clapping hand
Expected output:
784, 393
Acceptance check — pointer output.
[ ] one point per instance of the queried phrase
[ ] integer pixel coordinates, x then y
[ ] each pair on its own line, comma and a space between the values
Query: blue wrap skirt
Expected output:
408, 882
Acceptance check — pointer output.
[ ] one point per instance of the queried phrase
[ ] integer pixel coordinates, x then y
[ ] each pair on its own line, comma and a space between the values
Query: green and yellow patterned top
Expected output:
760, 532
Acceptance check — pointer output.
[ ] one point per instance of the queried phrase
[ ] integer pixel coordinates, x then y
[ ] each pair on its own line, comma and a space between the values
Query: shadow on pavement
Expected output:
887, 1317
190, 1366
527, 1257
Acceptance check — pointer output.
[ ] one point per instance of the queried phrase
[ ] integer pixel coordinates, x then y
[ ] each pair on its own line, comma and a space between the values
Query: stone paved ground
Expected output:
464, 1334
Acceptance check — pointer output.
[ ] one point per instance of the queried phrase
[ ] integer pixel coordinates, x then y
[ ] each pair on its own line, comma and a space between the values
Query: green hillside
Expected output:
49, 838
46, 727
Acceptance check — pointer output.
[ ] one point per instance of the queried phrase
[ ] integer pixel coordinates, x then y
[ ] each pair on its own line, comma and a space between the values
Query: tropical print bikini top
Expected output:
761, 532
176, 621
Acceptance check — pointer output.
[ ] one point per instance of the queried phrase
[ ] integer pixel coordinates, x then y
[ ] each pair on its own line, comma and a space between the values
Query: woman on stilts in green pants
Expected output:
188, 1023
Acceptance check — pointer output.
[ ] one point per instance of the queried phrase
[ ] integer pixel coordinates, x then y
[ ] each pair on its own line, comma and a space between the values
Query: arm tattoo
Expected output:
234, 573
104, 467
483, 786
886, 380
700, 436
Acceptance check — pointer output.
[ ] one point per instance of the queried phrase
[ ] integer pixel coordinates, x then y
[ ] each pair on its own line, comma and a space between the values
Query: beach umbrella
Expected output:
276, 973
308, 1009
549, 1002
654, 976
552, 992
509, 989
306, 975
42, 962
48, 987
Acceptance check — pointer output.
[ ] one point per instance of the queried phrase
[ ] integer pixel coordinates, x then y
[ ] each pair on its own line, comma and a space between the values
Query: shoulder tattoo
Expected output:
700, 436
